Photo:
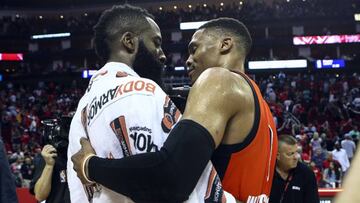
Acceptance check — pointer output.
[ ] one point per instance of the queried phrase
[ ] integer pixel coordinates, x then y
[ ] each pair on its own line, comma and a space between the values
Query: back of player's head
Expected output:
116, 21
231, 27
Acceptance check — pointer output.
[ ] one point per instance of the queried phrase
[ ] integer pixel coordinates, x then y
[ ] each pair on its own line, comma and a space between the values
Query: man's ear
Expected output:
130, 41
277, 155
226, 45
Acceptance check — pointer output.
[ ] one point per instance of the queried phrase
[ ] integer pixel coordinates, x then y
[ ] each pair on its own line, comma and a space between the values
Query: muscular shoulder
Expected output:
215, 77
222, 84
216, 88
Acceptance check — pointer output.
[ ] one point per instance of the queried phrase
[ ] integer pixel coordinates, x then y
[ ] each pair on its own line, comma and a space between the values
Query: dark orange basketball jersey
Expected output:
246, 169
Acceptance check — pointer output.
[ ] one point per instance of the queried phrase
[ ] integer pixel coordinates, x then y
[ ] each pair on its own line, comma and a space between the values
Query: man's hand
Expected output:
81, 158
49, 154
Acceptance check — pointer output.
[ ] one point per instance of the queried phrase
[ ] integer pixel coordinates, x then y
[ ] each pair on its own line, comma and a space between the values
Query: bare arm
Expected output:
352, 181
212, 101
43, 185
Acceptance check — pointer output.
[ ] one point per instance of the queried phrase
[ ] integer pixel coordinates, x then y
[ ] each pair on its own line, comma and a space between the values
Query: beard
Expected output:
147, 65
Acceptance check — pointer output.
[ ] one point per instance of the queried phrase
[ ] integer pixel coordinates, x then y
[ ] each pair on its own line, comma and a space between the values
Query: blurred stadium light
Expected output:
330, 63
55, 35
326, 39
357, 16
191, 25
88, 73
279, 64
11, 57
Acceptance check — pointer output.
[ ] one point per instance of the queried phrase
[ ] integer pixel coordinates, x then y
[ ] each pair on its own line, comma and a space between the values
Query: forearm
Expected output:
43, 185
170, 174
352, 180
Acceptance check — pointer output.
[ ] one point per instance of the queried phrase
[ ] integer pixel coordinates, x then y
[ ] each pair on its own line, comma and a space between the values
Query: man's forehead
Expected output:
154, 26
286, 147
199, 34
204, 34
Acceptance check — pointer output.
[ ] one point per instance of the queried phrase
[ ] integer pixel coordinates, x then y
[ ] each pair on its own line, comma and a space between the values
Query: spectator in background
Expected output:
341, 156
27, 170
346, 125
329, 159
303, 157
270, 93
332, 176
349, 146
293, 182
7, 186
315, 142
355, 133
16, 170
310, 128
318, 157
50, 177
329, 142
317, 172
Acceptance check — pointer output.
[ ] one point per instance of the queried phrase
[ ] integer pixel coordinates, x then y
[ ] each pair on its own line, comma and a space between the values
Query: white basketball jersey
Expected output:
122, 115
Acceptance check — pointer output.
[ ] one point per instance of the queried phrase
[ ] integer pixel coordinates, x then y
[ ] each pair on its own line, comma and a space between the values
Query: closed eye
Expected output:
157, 42
192, 48
291, 153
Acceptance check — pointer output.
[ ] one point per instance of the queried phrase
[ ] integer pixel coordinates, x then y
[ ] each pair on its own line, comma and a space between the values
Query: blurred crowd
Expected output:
323, 112
247, 11
22, 108
260, 11
49, 56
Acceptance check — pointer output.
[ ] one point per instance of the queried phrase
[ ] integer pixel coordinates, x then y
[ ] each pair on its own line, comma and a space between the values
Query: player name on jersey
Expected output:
99, 102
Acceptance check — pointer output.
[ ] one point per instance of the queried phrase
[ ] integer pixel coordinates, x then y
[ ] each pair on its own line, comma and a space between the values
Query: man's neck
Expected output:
283, 173
236, 68
120, 59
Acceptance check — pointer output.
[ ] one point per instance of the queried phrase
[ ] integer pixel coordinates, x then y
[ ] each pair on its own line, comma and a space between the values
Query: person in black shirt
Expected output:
27, 170
293, 181
50, 182
7, 184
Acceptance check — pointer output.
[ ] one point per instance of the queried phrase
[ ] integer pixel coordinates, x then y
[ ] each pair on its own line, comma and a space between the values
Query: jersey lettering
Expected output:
258, 199
214, 192
143, 142
99, 102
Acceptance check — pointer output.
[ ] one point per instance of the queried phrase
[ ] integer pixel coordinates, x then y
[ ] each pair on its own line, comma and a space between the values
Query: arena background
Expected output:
305, 58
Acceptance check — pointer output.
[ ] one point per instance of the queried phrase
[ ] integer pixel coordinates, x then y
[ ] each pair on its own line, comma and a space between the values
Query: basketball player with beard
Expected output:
125, 112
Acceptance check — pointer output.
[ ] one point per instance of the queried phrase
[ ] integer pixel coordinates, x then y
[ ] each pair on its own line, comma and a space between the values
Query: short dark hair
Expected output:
233, 27
116, 21
287, 139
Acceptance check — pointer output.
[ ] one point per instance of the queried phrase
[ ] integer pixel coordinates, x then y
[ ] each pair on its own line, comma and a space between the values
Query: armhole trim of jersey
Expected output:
223, 148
